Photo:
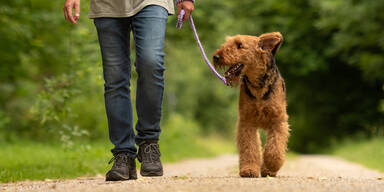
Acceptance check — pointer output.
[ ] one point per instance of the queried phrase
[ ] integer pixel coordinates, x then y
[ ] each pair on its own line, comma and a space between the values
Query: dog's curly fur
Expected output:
262, 102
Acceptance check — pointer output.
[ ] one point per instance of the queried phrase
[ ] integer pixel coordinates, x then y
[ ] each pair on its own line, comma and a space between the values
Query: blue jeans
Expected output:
148, 27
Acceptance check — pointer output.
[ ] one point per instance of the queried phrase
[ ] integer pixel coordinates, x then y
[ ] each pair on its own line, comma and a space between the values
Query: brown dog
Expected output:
262, 102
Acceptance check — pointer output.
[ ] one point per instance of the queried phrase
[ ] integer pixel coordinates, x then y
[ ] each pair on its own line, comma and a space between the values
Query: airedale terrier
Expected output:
262, 102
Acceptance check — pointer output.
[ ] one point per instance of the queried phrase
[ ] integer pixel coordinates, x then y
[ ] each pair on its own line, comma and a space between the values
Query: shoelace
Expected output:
150, 149
119, 158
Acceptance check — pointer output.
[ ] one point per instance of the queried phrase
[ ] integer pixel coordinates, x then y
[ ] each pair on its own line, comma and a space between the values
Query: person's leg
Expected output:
149, 30
114, 40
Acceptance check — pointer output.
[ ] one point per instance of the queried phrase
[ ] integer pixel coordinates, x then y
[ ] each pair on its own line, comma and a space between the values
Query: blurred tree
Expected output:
37, 46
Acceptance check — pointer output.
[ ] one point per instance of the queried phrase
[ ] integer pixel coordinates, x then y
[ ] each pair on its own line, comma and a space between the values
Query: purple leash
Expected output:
179, 24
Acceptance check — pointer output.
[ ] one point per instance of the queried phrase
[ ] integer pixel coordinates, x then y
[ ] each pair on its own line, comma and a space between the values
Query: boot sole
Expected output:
115, 176
151, 173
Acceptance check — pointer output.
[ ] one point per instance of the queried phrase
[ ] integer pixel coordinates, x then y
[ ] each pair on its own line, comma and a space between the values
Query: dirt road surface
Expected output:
312, 173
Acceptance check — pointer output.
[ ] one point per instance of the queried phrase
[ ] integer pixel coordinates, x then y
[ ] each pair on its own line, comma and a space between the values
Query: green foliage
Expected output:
365, 152
359, 39
52, 111
41, 55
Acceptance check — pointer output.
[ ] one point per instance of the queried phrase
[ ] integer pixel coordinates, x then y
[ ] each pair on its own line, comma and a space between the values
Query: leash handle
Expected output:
180, 17
179, 24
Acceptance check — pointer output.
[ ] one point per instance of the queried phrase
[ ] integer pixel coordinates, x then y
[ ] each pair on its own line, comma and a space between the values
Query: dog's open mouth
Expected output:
234, 70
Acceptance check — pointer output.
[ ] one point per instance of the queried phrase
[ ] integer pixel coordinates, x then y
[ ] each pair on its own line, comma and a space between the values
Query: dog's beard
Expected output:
234, 81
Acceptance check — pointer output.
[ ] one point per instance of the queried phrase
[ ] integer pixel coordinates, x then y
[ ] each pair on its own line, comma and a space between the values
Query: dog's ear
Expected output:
271, 42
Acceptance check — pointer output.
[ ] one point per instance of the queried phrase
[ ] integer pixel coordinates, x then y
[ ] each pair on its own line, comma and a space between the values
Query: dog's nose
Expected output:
216, 58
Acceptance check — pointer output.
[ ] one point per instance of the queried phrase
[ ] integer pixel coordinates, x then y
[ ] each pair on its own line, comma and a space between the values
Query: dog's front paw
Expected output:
248, 172
265, 172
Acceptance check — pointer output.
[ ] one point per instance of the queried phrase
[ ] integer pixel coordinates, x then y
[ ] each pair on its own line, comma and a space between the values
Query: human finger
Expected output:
187, 15
77, 11
69, 14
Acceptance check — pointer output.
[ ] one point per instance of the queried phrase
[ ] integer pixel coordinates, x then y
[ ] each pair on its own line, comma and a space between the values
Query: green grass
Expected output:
38, 161
28, 160
368, 153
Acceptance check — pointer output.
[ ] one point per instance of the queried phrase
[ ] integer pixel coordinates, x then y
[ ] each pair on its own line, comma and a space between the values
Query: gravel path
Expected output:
312, 173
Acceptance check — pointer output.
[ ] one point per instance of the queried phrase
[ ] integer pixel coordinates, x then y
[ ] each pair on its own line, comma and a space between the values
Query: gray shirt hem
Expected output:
133, 12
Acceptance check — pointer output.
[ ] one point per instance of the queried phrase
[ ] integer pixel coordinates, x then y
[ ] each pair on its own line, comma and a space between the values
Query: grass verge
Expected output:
368, 153
29, 160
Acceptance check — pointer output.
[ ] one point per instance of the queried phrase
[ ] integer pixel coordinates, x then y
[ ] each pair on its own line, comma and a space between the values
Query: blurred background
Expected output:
51, 85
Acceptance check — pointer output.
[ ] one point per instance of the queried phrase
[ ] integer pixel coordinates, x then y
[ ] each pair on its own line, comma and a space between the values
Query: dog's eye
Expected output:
239, 45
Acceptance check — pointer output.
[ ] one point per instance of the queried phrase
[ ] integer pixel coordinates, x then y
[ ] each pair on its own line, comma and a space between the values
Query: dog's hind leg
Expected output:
275, 149
249, 146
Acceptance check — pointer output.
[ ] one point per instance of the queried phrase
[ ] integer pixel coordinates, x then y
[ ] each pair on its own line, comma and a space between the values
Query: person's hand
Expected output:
68, 7
188, 8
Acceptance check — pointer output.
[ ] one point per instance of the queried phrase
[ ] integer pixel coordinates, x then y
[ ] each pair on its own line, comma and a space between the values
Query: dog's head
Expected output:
243, 54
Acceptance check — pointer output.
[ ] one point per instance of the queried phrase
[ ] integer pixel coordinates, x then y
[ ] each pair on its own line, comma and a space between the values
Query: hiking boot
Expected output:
149, 156
124, 168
